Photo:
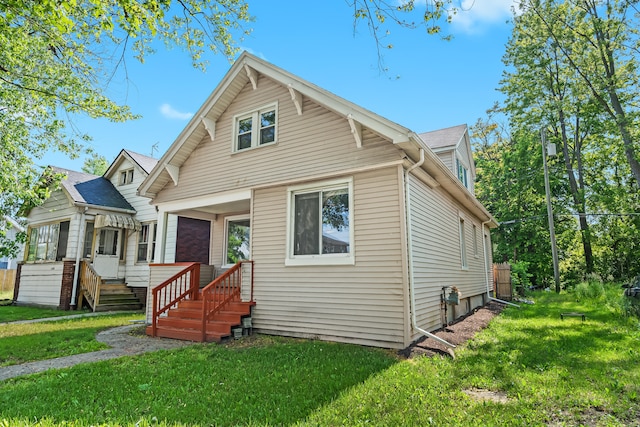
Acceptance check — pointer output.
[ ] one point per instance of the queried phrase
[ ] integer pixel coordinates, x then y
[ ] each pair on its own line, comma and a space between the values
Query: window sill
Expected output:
320, 260
244, 150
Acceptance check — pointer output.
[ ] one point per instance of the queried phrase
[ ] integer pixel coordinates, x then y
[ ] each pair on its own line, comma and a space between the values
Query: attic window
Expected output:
255, 129
463, 173
126, 177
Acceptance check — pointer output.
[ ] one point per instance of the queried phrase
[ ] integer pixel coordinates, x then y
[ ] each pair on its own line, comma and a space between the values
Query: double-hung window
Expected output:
126, 177
146, 242
320, 227
256, 128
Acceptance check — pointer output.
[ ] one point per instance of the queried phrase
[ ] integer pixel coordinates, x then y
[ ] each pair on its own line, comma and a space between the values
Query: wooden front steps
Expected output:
185, 322
115, 297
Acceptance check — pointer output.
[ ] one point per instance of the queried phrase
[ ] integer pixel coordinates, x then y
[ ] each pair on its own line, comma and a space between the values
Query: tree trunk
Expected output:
577, 193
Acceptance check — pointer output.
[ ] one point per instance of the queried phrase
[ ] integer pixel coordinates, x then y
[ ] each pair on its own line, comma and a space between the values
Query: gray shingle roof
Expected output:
92, 190
448, 137
147, 163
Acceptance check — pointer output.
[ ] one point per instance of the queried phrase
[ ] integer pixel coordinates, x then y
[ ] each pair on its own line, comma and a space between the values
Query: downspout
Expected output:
76, 268
484, 252
414, 322
486, 270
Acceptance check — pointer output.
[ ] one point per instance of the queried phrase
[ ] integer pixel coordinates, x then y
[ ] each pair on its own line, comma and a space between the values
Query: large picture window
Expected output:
48, 242
320, 224
255, 129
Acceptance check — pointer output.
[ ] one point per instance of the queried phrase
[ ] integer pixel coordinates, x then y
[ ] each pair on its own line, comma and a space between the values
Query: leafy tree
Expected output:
607, 58
57, 55
544, 91
511, 186
97, 164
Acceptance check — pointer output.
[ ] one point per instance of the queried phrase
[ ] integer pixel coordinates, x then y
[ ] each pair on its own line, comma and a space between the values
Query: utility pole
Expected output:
552, 231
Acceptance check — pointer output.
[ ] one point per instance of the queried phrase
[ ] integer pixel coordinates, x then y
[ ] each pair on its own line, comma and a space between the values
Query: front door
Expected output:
107, 257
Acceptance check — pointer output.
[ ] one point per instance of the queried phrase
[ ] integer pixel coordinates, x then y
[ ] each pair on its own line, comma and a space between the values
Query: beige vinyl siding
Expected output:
435, 247
316, 142
41, 284
361, 303
448, 158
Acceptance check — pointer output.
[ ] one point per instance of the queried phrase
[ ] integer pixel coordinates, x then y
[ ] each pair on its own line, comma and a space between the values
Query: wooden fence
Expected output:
502, 281
7, 280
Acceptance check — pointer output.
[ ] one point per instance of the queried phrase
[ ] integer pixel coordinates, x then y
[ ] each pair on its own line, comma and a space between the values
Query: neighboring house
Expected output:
13, 228
95, 222
356, 229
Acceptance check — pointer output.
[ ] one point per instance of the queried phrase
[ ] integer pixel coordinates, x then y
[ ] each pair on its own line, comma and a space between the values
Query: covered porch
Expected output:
201, 281
213, 231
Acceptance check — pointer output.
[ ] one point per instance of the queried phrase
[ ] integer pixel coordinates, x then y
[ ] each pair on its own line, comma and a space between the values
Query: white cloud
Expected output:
473, 15
171, 113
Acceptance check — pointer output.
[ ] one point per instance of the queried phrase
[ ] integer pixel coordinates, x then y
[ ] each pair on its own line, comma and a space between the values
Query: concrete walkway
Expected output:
119, 339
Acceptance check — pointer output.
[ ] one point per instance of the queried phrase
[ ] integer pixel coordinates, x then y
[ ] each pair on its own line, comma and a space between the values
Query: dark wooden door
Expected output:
193, 240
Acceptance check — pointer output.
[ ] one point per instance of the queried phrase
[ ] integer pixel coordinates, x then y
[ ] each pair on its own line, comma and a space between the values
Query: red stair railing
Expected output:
181, 286
223, 290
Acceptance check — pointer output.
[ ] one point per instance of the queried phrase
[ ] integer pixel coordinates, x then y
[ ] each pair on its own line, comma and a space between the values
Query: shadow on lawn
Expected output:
275, 381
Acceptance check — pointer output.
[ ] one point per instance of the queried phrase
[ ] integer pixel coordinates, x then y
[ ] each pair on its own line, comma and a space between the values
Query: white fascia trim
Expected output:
197, 202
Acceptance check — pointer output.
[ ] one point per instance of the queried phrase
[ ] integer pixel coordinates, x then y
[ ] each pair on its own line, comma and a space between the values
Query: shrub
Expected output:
591, 290
520, 276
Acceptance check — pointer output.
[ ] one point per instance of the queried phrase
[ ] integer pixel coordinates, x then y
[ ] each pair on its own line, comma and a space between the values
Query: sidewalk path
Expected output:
119, 339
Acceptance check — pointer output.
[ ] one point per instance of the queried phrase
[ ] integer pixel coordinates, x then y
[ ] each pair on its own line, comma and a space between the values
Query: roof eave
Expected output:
445, 177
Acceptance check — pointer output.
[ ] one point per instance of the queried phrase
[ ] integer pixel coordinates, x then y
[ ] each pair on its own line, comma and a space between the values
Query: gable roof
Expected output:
444, 138
90, 190
145, 163
246, 70
450, 139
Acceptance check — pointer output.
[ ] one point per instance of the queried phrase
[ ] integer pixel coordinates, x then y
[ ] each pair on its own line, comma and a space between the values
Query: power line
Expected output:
619, 214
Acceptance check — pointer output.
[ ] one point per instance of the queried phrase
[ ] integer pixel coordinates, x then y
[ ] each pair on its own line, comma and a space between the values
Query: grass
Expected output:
12, 313
20, 343
550, 371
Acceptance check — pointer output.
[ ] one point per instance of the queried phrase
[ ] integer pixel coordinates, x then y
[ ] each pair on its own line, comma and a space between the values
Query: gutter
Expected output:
103, 208
412, 295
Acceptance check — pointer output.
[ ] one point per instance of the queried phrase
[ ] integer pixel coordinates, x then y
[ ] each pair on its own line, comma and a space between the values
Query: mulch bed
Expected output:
456, 333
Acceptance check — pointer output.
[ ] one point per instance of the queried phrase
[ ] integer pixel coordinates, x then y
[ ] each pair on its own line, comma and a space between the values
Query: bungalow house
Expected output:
94, 232
354, 228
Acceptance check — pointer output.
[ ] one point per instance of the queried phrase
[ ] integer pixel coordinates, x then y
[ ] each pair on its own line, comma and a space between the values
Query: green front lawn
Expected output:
26, 342
12, 313
545, 371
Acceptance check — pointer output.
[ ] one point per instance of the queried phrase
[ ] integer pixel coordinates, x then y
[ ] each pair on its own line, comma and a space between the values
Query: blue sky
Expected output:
430, 83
